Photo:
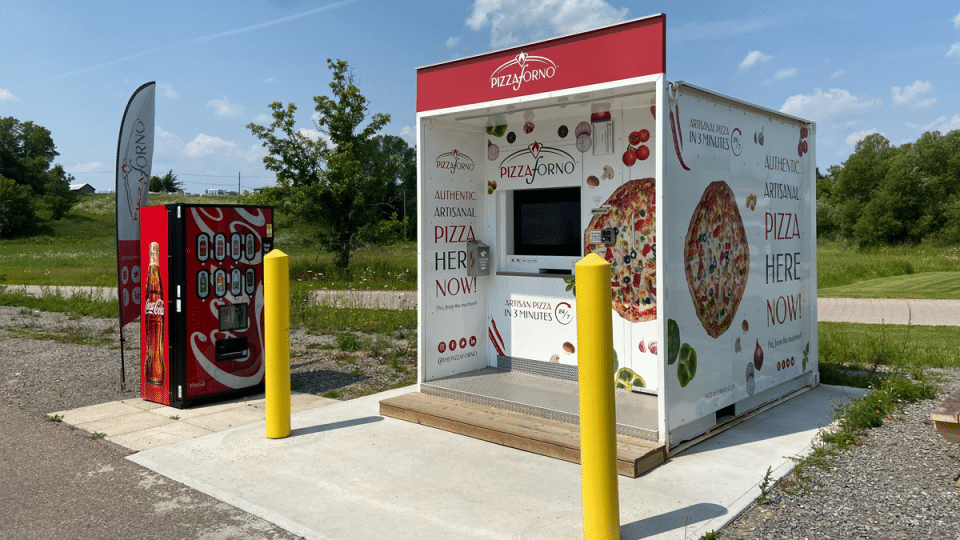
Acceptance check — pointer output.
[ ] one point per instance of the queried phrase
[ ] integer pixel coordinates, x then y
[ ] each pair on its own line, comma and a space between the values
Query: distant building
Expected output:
82, 189
220, 192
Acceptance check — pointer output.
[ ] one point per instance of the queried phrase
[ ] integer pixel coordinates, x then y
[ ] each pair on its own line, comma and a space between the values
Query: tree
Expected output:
328, 179
857, 182
17, 213
392, 159
26, 152
167, 183
26, 155
57, 197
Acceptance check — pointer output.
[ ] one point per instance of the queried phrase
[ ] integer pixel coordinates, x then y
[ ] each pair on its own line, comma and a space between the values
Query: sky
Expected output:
853, 67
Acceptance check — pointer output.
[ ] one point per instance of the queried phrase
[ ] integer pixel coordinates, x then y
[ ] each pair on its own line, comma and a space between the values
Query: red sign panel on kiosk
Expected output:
618, 52
202, 326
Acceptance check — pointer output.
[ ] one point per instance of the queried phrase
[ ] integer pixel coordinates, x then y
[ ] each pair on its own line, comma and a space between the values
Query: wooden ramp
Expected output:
531, 433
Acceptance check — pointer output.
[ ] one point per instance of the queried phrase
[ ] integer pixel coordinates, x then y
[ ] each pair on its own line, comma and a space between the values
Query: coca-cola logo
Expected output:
520, 69
153, 308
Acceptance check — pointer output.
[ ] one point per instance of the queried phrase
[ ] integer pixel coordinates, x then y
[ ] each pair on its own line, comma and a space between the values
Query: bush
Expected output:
17, 212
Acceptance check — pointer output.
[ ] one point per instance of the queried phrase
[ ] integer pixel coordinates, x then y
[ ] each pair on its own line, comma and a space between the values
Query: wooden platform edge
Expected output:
542, 436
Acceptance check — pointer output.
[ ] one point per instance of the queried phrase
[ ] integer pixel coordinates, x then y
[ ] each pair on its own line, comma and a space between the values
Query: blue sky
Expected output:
853, 67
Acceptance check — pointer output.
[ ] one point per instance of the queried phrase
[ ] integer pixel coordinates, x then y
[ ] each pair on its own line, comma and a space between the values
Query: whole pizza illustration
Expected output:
717, 258
632, 252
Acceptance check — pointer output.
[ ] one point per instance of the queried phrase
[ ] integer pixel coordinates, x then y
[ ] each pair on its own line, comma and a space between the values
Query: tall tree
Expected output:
327, 179
26, 152
26, 155
859, 179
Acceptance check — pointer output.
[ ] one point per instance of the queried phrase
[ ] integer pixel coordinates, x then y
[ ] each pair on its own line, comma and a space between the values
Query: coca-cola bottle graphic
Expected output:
153, 319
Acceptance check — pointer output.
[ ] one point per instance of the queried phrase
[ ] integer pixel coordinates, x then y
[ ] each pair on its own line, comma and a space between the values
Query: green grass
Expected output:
76, 306
81, 249
928, 285
839, 264
888, 345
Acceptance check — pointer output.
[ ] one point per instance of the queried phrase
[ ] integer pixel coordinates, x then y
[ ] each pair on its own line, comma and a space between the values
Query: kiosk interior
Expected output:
532, 157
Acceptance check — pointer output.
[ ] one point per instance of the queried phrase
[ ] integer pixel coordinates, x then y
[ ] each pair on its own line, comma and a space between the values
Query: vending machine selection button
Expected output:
235, 248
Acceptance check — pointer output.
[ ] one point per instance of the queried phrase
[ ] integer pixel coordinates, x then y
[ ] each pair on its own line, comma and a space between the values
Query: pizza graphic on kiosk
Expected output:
717, 258
625, 235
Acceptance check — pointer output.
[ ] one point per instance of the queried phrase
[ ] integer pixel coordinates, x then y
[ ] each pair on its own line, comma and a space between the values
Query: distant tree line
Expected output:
885, 194
32, 188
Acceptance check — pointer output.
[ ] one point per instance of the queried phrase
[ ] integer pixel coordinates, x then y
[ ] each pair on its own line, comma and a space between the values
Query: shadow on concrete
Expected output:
671, 521
335, 425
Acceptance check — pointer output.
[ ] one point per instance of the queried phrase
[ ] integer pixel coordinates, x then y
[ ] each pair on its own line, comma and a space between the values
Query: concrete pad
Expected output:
93, 413
347, 473
118, 425
170, 433
228, 418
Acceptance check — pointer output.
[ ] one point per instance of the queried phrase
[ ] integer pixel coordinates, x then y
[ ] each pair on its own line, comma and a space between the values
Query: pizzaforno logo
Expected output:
537, 160
521, 69
455, 161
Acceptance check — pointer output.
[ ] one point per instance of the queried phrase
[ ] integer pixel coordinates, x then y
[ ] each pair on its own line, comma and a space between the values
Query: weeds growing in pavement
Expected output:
765, 486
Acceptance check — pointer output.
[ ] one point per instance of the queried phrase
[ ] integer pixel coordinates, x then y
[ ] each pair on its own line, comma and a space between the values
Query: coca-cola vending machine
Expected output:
202, 317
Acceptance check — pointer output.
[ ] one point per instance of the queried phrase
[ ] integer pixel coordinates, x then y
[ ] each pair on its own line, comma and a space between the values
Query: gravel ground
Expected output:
81, 366
898, 484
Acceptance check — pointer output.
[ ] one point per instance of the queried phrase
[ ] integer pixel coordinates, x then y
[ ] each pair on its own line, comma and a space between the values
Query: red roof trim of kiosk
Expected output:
622, 51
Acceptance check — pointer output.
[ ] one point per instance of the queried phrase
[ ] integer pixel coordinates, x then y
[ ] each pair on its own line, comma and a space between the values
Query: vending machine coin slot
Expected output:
232, 349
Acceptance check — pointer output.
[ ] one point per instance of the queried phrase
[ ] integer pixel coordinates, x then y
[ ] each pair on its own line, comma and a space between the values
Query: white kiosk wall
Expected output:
453, 305
737, 163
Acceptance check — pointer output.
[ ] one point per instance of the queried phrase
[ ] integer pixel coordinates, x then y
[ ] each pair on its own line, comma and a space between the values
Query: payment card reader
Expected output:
478, 258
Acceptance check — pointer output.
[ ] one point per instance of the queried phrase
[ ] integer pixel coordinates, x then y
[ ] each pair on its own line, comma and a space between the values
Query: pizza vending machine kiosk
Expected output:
703, 204
202, 319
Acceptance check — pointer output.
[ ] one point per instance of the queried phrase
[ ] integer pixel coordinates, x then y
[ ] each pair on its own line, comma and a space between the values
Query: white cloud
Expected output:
408, 131
453, 41
723, 29
206, 145
950, 125
167, 91
753, 58
6, 95
786, 73
854, 138
941, 124
820, 104
956, 21
269, 80
263, 119
84, 167
904, 96
225, 108
954, 51
313, 134
838, 73
514, 21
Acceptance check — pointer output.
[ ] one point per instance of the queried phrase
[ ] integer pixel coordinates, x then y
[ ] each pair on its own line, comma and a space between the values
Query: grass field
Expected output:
80, 250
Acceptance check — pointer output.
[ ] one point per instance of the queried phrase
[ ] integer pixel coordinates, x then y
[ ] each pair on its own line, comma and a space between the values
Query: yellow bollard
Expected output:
276, 315
598, 436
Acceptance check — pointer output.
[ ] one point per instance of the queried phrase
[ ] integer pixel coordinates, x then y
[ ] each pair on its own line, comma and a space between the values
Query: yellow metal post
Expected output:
276, 315
598, 437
